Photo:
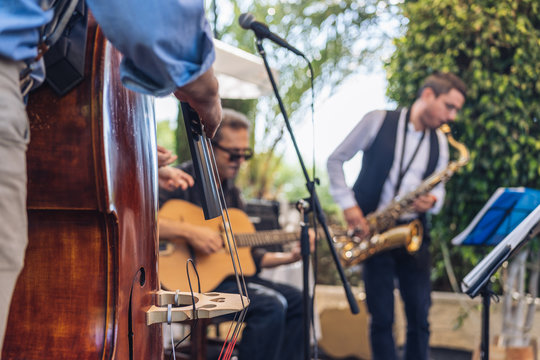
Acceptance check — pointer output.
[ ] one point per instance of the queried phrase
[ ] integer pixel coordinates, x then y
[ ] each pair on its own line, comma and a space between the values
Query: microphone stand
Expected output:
304, 207
315, 206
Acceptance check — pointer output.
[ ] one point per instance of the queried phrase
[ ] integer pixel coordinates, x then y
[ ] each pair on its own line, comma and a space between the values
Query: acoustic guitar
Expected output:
213, 268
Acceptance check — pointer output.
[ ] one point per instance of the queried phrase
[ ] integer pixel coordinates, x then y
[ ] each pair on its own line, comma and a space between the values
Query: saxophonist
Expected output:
400, 149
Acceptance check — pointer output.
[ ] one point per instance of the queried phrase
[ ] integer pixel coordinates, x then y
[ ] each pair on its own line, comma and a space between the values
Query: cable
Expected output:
195, 317
131, 334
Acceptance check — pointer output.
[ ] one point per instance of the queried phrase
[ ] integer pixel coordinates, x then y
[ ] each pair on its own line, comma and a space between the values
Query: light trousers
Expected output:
14, 137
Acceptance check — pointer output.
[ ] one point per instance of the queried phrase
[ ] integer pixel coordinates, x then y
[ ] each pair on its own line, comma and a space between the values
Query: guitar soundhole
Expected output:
221, 299
208, 306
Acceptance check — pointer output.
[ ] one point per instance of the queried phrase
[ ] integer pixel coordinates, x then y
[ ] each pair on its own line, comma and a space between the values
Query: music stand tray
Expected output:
502, 213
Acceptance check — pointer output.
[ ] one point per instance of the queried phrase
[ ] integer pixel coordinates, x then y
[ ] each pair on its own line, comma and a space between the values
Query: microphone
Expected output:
247, 21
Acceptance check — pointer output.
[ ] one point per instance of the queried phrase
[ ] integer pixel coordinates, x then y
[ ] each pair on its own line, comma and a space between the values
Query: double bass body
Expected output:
91, 263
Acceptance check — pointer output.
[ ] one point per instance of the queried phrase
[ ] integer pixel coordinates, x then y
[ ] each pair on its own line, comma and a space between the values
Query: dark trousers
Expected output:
273, 322
413, 276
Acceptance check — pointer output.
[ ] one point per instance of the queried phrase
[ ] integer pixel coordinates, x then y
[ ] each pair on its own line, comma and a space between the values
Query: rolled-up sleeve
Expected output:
166, 44
20, 22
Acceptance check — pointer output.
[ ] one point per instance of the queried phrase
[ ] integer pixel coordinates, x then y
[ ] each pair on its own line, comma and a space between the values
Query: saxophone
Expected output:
384, 234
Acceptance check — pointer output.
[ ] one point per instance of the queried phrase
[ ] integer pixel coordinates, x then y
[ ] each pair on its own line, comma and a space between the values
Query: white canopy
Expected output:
241, 75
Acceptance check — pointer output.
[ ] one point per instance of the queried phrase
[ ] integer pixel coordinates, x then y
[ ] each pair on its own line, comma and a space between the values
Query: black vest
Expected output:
377, 161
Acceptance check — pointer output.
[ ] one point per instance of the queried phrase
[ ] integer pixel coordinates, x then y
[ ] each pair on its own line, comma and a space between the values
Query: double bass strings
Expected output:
214, 205
237, 266
229, 235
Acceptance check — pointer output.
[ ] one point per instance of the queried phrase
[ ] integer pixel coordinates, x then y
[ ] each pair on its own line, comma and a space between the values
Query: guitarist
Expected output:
274, 318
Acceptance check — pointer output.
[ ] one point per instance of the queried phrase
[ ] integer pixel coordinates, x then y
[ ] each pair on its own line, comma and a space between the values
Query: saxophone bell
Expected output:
414, 239
354, 250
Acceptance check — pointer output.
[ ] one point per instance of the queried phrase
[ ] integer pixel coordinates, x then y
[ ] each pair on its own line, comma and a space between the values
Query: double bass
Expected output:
89, 288
91, 262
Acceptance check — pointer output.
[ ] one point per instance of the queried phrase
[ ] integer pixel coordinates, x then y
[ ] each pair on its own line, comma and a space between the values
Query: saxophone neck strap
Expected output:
403, 171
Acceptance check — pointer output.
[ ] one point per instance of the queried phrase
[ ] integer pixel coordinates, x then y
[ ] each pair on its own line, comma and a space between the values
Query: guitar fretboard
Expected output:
262, 238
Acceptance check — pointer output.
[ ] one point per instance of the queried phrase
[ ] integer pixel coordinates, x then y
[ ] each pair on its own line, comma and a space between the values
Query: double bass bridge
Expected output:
180, 306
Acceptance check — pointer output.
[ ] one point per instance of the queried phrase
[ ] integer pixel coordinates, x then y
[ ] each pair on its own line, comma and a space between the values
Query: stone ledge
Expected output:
344, 334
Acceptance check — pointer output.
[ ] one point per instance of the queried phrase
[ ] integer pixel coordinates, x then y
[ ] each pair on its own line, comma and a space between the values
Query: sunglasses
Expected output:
235, 153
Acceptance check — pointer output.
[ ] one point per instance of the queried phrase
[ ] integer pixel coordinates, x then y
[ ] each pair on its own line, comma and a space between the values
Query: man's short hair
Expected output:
442, 83
231, 119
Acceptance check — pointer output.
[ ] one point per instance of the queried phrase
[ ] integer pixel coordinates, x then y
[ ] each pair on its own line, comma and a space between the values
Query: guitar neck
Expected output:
263, 238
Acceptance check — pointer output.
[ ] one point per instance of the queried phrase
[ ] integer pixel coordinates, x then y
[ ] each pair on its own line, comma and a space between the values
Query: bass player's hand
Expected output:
202, 94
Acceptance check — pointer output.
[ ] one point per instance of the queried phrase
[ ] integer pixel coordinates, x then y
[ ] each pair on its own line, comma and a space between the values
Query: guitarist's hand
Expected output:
273, 259
296, 251
170, 178
204, 240
164, 156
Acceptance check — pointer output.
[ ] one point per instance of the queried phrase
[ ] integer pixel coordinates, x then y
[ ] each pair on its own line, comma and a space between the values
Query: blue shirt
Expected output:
166, 44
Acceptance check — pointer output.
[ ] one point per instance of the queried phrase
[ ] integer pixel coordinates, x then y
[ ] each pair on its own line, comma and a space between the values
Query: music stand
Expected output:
510, 218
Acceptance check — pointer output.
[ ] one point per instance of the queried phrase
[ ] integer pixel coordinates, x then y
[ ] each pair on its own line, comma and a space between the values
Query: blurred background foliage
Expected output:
493, 45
